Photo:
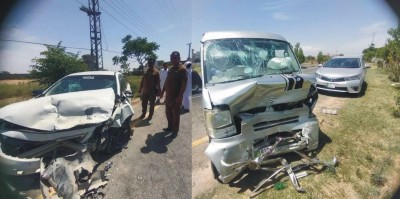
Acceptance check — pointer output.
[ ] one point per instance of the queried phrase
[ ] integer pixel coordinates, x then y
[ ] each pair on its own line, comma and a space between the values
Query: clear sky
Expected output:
340, 26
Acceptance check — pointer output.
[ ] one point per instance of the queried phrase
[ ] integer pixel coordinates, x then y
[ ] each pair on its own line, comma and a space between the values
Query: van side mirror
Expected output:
319, 65
367, 66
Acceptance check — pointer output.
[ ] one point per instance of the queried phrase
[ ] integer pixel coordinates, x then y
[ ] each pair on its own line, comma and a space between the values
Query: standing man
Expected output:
188, 91
149, 88
163, 77
174, 87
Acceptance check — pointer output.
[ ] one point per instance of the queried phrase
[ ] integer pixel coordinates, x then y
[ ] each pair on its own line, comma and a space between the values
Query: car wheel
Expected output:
119, 137
195, 88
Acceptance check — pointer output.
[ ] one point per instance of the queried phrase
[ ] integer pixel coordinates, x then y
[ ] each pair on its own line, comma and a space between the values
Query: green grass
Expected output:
134, 81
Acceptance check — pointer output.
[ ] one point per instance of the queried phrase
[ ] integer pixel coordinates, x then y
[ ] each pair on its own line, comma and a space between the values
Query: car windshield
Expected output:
228, 60
343, 63
82, 83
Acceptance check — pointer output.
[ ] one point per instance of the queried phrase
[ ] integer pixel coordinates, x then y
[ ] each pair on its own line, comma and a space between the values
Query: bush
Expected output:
396, 111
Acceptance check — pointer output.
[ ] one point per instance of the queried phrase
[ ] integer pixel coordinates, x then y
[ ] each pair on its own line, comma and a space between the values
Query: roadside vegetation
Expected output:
364, 136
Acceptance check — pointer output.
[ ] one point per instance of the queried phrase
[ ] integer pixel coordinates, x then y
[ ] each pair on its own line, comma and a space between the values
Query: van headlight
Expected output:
219, 123
355, 77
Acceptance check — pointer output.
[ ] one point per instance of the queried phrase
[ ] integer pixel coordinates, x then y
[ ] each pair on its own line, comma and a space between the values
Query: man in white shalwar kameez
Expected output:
188, 90
163, 77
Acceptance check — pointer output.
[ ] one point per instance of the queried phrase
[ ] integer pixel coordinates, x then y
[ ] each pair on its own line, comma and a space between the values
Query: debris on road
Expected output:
290, 170
331, 111
73, 176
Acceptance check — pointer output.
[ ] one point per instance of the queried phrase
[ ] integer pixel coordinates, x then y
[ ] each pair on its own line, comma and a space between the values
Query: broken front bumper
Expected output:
28, 161
18, 166
253, 140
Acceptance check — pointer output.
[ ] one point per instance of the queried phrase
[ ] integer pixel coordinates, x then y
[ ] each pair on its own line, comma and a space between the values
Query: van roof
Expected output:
240, 34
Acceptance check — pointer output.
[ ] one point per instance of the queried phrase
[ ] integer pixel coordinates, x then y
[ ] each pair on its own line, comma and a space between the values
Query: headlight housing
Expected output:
318, 76
219, 123
355, 77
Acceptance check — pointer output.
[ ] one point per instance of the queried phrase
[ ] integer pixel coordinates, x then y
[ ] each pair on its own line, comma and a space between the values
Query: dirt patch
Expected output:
15, 81
202, 180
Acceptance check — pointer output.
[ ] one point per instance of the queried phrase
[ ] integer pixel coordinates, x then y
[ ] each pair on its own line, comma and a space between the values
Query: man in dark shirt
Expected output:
174, 88
149, 88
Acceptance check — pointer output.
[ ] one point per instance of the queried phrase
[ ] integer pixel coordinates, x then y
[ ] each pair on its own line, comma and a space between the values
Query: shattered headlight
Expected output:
355, 77
219, 123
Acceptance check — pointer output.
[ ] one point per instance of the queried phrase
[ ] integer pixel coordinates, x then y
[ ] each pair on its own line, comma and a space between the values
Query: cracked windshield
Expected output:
237, 59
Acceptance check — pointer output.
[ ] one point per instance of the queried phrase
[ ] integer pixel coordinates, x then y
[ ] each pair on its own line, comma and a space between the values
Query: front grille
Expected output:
14, 147
329, 79
268, 124
336, 88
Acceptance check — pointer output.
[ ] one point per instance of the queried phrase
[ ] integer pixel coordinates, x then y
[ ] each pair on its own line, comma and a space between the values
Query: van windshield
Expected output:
228, 60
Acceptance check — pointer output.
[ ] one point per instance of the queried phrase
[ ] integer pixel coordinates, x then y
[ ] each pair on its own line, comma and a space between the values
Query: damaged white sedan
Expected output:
82, 111
257, 103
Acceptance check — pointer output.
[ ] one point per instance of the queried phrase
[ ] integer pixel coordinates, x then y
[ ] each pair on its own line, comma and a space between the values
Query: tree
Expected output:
123, 61
299, 53
89, 60
393, 53
320, 57
139, 49
4, 72
55, 64
369, 53
310, 59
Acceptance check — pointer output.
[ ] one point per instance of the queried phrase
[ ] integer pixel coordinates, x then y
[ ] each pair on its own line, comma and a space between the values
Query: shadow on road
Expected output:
157, 142
140, 123
17, 186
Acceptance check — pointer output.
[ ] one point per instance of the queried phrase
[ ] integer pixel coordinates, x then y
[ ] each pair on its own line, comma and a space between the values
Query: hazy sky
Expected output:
340, 26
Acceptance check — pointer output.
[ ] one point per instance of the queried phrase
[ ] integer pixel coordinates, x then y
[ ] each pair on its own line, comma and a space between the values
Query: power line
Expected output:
37, 43
119, 21
125, 17
135, 16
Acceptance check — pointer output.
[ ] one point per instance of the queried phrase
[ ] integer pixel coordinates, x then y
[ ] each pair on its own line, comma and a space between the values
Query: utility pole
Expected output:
372, 43
96, 50
190, 44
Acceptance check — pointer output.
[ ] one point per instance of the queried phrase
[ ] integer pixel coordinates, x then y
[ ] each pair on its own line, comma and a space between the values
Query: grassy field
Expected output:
364, 136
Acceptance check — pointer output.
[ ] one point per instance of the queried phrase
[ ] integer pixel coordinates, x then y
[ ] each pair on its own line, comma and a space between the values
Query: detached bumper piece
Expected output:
290, 171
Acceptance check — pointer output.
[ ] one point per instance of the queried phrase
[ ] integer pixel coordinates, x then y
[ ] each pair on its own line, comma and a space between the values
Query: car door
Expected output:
124, 108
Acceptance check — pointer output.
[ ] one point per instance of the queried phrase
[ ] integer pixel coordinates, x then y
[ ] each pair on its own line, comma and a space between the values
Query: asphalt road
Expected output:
202, 180
153, 165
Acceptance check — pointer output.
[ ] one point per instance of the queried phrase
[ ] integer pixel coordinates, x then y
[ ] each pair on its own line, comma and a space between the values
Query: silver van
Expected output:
257, 103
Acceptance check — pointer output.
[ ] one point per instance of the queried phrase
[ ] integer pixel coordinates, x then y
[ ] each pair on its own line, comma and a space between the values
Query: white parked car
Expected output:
87, 110
341, 74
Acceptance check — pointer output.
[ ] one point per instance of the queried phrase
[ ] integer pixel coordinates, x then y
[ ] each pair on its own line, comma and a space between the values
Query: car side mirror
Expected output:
36, 93
367, 66
129, 94
319, 65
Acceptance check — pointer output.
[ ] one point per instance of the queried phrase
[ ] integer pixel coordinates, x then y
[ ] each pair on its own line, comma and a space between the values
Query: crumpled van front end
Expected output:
255, 100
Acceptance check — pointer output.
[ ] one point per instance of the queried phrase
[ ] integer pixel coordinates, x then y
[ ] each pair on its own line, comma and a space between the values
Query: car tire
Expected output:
119, 137
195, 88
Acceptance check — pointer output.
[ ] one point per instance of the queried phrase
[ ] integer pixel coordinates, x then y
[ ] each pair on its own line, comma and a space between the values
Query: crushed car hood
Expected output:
260, 92
62, 111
